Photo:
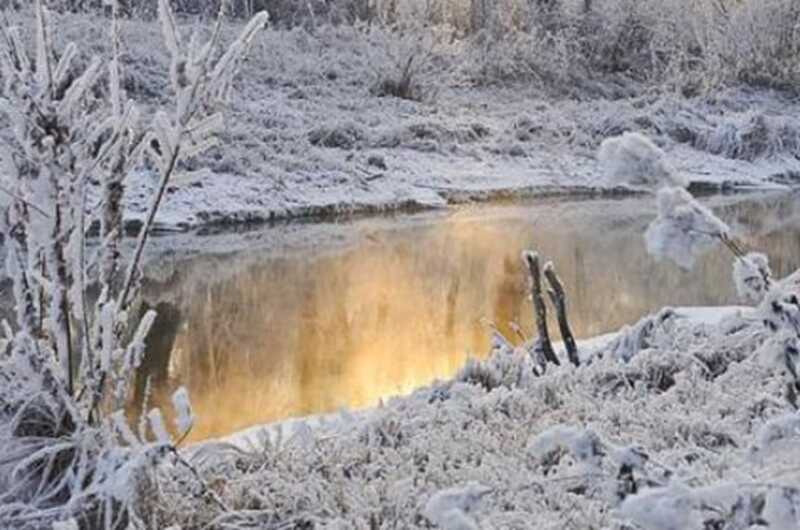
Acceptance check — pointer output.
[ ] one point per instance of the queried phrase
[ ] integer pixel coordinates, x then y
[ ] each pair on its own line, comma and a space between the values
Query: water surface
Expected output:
357, 311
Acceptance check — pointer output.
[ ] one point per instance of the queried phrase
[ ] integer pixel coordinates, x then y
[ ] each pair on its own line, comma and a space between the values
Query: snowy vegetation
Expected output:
676, 422
405, 105
68, 357
692, 46
693, 427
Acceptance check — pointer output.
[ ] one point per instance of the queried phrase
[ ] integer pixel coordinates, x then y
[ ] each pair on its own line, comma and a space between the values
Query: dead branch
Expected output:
540, 310
559, 299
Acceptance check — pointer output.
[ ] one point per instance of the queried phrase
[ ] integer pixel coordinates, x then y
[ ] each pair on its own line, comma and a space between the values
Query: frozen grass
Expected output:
694, 410
693, 47
320, 103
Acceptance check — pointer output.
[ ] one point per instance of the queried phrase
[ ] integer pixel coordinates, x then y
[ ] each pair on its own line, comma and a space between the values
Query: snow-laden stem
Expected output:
133, 268
740, 254
62, 421
540, 309
61, 311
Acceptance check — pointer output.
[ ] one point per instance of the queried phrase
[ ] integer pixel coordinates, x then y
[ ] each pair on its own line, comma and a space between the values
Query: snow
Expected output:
632, 158
184, 417
157, 426
446, 170
783, 429
750, 275
467, 143
449, 508
663, 441
662, 509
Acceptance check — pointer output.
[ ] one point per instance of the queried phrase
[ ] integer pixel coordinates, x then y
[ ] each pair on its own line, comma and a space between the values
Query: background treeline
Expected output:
686, 46
463, 15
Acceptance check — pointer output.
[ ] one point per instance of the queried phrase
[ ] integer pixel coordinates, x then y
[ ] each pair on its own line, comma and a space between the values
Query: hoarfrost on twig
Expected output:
684, 228
751, 275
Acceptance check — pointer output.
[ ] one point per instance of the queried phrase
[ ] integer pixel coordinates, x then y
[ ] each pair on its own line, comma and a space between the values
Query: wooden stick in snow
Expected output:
539, 308
559, 299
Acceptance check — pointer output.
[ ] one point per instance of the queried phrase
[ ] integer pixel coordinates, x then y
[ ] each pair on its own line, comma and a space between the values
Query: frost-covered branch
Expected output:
684, 228
199, 79
70, 364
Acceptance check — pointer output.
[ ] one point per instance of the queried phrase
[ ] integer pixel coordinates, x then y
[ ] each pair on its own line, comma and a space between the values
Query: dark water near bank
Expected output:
366, 309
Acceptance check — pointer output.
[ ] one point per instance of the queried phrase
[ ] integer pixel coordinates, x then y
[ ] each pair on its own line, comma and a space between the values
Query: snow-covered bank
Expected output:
329, 424
306, 136
695, 430
529, 145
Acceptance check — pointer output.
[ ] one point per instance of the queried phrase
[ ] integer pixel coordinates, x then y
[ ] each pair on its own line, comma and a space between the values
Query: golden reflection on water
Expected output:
314, 332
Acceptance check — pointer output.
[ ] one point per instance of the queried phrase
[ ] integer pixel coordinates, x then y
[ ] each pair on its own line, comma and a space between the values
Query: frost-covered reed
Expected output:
68, 361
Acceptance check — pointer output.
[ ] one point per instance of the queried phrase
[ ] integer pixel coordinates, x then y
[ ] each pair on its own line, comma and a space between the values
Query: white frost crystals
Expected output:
183, 408
751, 275
670, 508
683, 229
68, 360
449, 508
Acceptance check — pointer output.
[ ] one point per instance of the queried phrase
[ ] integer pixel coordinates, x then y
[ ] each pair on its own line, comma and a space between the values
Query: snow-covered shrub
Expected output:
632, 158
632, 339
67, 374
507, 366
402, 58
693, 47
339, 136
752, 137
782, 430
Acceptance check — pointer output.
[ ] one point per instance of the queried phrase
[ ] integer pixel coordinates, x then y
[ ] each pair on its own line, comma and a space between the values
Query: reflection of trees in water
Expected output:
301, 335
509, 295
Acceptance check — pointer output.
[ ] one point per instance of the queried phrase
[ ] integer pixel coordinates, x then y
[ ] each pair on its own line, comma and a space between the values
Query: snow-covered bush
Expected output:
69, 360
632, 158
752, 137
401, 56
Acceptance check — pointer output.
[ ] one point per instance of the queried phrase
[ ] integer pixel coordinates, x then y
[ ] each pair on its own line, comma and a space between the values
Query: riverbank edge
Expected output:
329, 423
447, 198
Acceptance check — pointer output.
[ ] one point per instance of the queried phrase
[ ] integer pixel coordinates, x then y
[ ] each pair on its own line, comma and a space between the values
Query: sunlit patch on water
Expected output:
265, 337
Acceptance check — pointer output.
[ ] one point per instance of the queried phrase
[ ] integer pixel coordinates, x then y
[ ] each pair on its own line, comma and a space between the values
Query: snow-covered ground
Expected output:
467, 144
694, 431
306, 135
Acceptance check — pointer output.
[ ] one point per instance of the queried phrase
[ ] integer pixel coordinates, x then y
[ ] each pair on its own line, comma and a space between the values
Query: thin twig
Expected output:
211, 493
25, 202
122, 302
